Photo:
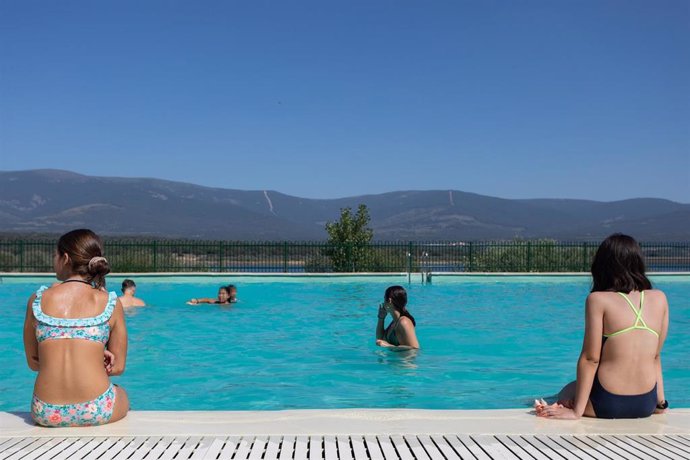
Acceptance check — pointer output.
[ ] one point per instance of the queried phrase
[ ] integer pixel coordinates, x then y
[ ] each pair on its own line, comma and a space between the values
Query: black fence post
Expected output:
285, 256
409, 256
220, 256
21, 255
155, 255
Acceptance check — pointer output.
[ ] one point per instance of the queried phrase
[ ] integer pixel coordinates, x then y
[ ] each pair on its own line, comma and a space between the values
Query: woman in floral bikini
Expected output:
69, 327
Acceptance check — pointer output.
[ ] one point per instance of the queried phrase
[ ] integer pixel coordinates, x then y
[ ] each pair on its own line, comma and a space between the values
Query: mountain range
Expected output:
52, 201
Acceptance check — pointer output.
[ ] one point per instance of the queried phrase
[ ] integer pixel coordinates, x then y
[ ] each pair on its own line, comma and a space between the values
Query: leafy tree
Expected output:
349, 241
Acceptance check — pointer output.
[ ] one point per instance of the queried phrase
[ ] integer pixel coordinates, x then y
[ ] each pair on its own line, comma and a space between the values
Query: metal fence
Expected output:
322, 257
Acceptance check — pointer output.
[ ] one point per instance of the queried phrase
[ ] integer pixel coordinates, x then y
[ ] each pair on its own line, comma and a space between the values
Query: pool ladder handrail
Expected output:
425, 267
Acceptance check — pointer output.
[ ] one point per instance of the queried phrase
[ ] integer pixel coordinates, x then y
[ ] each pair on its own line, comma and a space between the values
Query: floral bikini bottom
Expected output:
95, 412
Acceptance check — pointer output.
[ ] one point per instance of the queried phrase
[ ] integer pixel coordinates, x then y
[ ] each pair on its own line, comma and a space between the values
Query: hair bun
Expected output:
99, 266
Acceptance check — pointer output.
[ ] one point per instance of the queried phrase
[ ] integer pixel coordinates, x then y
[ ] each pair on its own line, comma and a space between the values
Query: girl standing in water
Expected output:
400, 332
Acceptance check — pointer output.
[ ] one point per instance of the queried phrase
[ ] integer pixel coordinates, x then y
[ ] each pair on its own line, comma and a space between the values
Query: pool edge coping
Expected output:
350, 422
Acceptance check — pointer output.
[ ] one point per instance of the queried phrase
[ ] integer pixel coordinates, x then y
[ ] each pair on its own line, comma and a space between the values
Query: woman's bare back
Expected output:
628, 361
71, 370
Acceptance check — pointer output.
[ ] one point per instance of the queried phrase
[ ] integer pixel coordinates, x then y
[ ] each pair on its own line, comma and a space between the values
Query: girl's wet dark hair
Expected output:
398, 297
618, 266
85, 251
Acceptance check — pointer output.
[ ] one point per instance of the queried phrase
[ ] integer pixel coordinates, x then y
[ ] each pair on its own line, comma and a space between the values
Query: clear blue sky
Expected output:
579, 99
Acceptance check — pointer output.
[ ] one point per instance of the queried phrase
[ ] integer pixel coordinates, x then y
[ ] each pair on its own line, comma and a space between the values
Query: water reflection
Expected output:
406, 359
131, 312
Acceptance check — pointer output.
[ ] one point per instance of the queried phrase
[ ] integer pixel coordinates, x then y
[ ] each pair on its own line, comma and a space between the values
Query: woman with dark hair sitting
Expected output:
619, 370
400, 333
70, 329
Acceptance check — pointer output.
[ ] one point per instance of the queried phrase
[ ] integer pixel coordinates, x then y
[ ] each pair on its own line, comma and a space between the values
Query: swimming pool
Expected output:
487, 342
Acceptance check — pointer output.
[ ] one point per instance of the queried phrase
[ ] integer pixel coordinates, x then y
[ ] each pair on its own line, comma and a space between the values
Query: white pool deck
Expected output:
350, 434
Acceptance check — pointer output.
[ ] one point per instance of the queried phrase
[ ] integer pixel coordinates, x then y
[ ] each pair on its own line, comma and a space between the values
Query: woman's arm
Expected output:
588, 362
117, 343
661, 396
587, 365
30, 342
380, 330
384, 344
197, 301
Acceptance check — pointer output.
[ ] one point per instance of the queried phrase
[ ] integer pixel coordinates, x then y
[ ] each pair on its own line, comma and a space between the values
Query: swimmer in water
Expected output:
222, 299
400, 333
127, 299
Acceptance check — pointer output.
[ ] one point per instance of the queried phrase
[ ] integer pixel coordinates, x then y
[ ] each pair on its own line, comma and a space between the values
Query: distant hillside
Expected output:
52, 201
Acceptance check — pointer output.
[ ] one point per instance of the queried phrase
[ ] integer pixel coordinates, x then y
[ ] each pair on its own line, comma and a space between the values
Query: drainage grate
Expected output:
365, 447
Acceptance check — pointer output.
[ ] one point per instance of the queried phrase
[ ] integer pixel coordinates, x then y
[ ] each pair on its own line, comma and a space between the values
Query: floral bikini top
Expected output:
95, 328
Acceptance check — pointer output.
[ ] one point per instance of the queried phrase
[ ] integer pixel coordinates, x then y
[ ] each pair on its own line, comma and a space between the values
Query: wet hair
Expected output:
230, 287
618, 266
226, 289
398, 296
85, 251
128, 284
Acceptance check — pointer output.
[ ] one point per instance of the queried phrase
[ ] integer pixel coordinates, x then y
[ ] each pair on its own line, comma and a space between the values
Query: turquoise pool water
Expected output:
488, 342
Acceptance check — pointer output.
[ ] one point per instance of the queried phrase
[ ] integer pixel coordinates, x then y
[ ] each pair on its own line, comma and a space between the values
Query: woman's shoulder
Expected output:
599, 301
97, 296
101, 296
655, 295
38, 293
600, 296
607, 297
405, 322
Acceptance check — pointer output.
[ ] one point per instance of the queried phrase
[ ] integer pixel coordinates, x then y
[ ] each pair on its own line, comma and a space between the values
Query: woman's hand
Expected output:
193, 302
383, 343
555, 410
539, 405
382, 312
108, 361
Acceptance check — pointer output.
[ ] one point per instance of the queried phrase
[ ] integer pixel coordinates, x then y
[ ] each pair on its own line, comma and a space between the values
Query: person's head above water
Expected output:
80, 253
129, 287
396, 296
232, 291
223, 294
618, 266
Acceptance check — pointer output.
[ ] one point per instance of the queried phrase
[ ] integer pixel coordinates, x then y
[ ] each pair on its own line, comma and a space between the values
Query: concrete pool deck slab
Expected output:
350, 434
349, 422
